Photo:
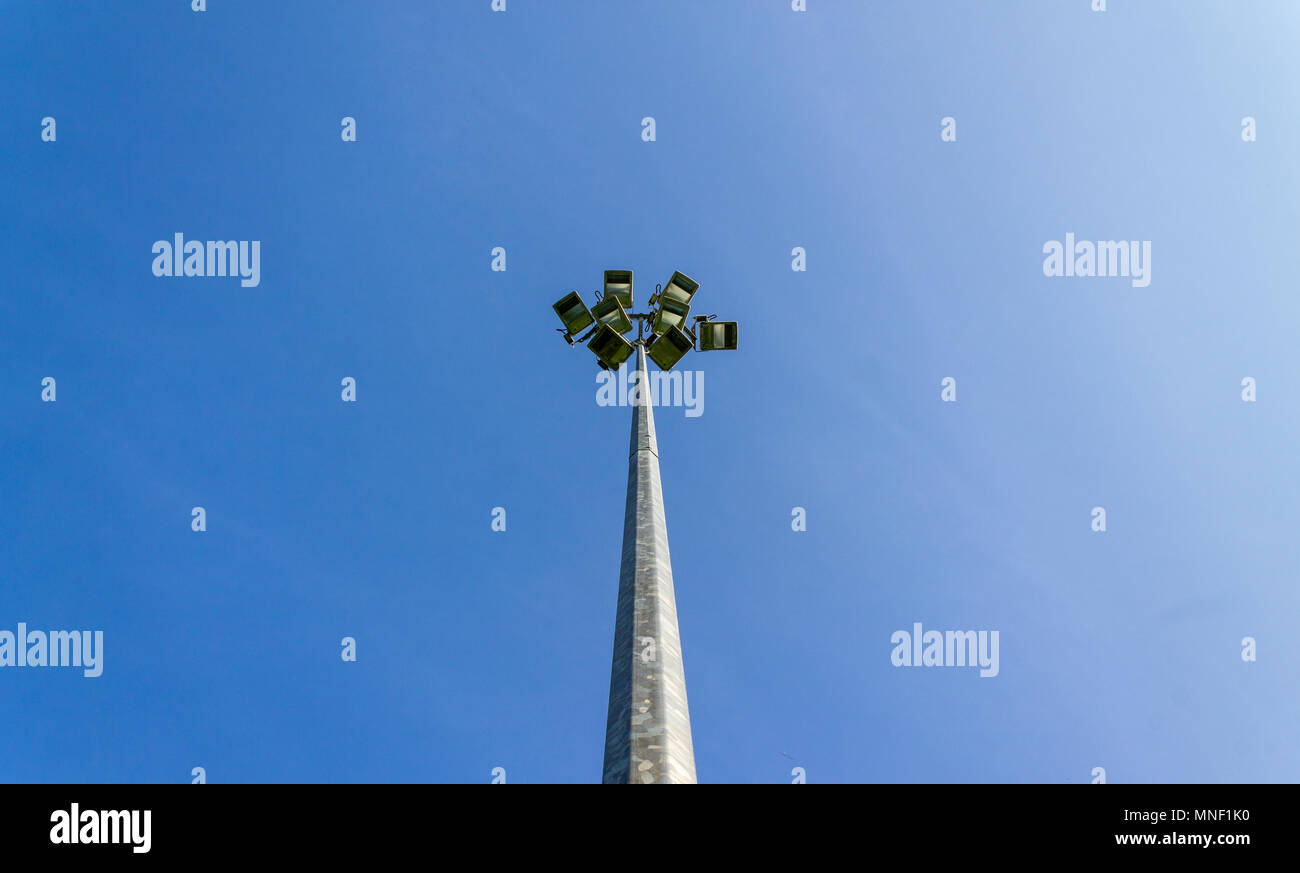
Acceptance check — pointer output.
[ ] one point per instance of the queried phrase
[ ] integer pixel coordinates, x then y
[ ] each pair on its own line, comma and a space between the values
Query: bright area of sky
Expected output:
773, 129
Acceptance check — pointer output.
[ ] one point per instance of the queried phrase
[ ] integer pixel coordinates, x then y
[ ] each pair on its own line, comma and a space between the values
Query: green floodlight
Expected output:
680, 288
666, 331
618, 283
716, 335
610, 347
610, 311
573, 313
668, 349
671, 313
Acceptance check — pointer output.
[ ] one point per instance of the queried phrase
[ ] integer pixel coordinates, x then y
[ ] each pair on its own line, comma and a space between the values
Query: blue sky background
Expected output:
774, 129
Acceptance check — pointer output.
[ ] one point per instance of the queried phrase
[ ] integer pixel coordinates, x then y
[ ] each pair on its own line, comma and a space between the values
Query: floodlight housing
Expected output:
668, 349
573, 313
618, 283
716, 335
680, 288
671, 313
610, 347
610, 311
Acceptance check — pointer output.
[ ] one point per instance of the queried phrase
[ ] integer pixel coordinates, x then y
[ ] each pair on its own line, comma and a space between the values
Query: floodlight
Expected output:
618, 283
668, 349
610, 311
680, 288
573, 312
671, 313
610, 347
716, 335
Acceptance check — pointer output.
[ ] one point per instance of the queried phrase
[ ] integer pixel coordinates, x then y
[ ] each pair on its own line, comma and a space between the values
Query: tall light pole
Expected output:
648, 729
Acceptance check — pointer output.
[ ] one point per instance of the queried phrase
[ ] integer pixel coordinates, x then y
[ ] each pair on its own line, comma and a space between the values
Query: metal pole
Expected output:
648, 729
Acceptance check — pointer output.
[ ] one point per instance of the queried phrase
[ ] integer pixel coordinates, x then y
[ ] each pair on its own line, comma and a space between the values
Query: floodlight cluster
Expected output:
671, 333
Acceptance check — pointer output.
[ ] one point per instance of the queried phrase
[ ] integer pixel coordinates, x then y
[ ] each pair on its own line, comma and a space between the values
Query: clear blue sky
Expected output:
775, 129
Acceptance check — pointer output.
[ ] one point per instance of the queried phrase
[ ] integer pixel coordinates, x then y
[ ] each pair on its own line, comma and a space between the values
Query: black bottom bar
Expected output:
338, 822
